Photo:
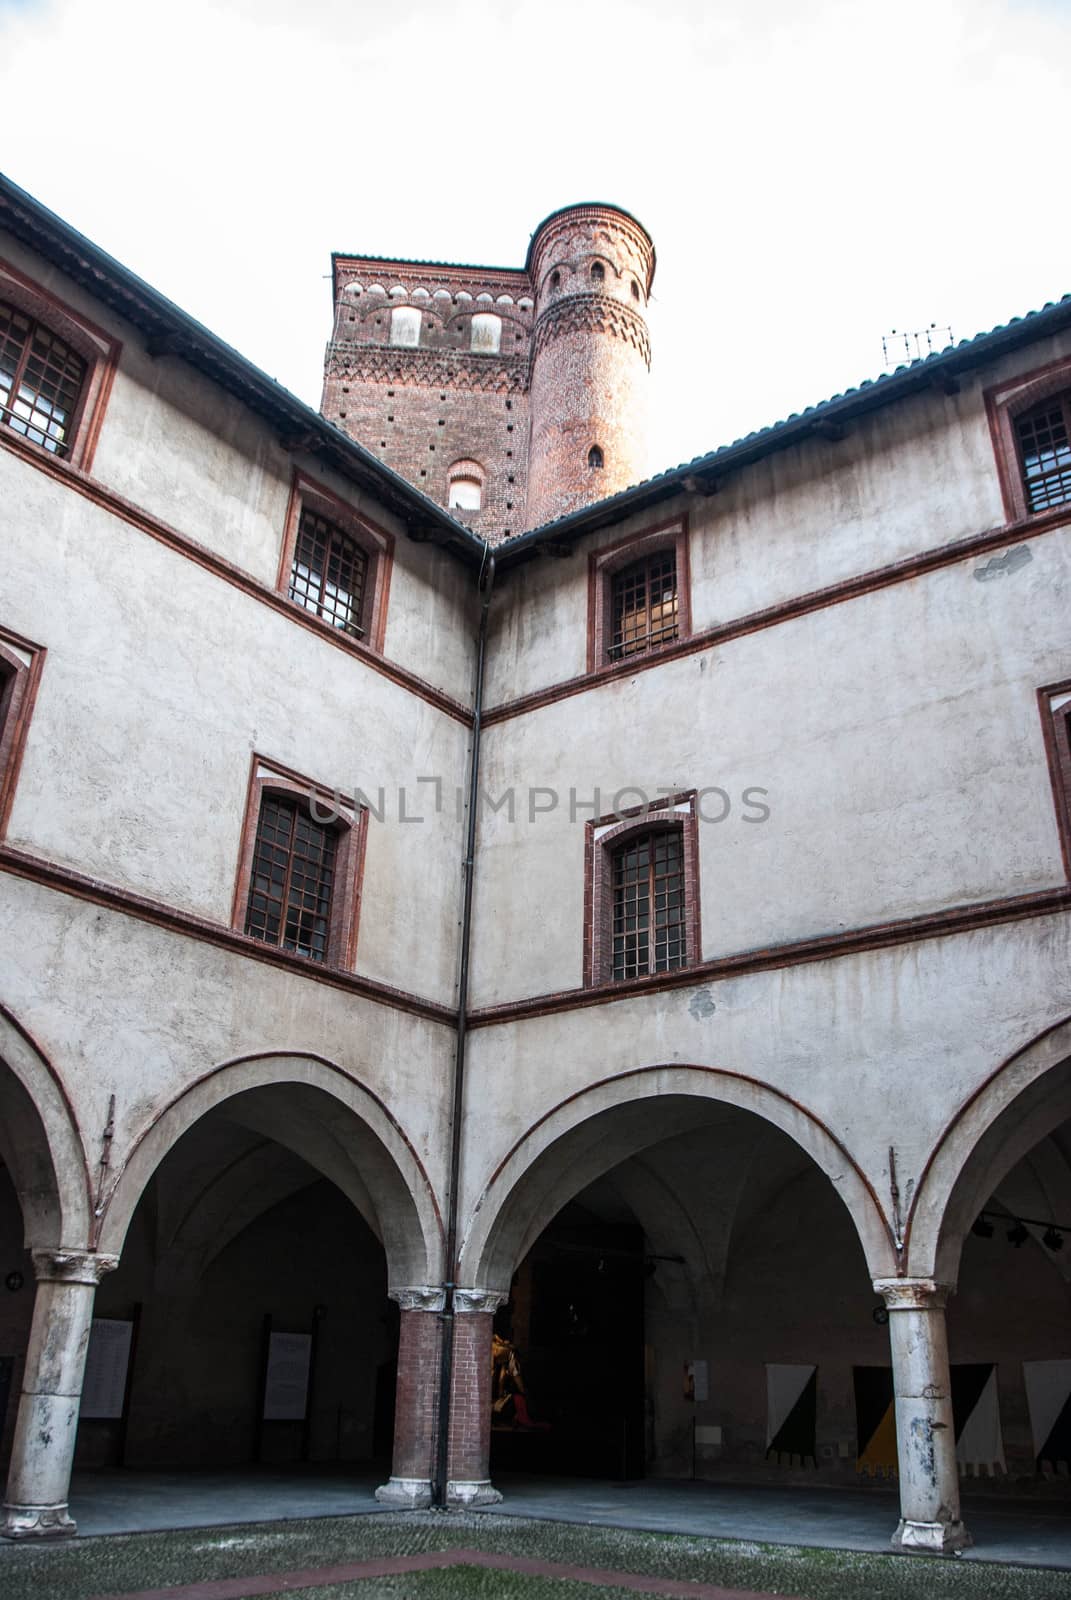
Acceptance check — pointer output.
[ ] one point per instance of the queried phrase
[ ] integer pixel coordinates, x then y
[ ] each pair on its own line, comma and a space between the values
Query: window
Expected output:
334, 564
20, 669
405, 325
638, 602
465, 481
1043, 436
293, 876
598, 272
329, 574
300, 854
648, 905
595, 458
1055, 705
486, 333
1030, 424
644, 604
41, 380
641, 893
56, 370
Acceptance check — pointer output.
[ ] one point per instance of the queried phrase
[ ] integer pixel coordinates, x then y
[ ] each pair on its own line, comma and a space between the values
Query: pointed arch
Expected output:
41, 1145
1025, 1099
589, 1133
311, 1106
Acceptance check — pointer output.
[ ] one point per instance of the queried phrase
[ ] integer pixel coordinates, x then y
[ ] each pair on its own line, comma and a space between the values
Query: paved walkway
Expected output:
1033, 1533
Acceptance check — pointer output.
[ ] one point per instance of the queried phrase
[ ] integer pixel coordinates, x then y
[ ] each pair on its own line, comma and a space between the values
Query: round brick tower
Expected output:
591, 268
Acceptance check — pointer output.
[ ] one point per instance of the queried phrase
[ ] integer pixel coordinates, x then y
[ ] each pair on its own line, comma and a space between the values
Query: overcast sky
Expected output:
814, 174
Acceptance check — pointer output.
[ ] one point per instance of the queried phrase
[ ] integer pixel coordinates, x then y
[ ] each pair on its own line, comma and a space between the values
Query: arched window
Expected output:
41, 380
555, 279
486, 333
635, 289
465, 481
405, 325
598, 272
595, 458
643, 605
1043, 440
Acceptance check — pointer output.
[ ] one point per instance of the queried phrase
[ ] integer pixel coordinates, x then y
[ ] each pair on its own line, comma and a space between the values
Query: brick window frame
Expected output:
603, 837
269, 779
21, 663
98, 349
1007, 401
605, 564
375, 542
1054, 704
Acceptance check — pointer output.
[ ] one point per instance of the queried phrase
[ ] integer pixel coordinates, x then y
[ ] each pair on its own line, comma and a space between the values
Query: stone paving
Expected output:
470, 1556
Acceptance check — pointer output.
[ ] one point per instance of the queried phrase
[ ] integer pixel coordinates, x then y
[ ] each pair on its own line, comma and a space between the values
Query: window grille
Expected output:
292, 879
329, 575
648, 905
644, 605
1044, 439
41, 380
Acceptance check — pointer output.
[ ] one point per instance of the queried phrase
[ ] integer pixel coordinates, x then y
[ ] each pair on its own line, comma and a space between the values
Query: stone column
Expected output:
468, 1477
417, 1403
39, 1480
925, 1436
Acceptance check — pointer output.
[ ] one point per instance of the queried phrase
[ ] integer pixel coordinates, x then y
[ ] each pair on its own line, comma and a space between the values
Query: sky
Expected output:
814, 174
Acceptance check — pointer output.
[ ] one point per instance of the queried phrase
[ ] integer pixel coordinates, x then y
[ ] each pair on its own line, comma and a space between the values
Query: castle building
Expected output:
627, 920
512, 397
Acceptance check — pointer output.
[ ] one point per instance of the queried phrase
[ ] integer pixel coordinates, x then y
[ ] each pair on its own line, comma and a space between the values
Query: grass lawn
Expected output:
124, 1564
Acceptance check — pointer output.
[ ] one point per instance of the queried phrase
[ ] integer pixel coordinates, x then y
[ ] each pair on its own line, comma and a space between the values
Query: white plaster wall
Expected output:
897, 735
121, 1007
160, 682
189, 453
882, 1047
904, 480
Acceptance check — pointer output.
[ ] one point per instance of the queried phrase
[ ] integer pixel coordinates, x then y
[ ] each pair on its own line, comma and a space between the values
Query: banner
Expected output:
1048, 1396
791, 1412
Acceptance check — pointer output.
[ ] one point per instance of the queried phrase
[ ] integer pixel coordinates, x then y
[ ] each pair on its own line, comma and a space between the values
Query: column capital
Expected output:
471, 1301
914, 1294
419, 1297
72, 1266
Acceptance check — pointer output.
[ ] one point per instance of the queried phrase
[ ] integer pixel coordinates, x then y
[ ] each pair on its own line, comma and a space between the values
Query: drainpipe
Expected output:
446, 1360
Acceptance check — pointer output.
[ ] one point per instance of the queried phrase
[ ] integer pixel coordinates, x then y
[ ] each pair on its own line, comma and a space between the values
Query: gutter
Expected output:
446, 1354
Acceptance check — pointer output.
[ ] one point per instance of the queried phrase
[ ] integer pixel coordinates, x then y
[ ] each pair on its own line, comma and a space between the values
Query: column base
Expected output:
472, 1492
36, 1522
931, 1538
405, 1494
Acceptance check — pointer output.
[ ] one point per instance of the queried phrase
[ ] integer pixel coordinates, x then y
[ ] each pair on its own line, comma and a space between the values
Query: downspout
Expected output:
446, 1358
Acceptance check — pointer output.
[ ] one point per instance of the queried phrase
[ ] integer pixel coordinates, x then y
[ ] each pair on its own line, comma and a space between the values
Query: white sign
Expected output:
107, 1362
287, 1384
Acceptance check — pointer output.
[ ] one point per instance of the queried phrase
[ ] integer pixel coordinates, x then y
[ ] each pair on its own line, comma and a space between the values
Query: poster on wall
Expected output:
107, 1365
1048, 1397
286, 1386
791, 1412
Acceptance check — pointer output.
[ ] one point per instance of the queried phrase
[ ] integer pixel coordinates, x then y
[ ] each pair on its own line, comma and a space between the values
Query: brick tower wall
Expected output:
423, 408
592, 268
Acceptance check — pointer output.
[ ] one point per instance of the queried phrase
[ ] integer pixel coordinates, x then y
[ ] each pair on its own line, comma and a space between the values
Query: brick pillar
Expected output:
417, 1402
40, 1475
468, 1479
925, 1437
